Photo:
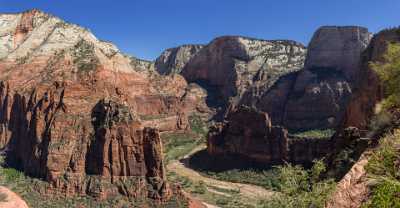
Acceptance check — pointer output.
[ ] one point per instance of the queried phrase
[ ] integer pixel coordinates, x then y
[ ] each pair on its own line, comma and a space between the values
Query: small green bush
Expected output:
12, 175
199, 188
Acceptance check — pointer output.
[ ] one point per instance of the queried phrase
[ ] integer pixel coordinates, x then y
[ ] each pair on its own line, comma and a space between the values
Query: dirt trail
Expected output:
246, 190
10, 199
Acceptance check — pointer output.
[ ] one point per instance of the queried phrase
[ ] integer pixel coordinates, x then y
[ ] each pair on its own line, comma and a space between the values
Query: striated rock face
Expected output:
173, 60
234, 64
248, 133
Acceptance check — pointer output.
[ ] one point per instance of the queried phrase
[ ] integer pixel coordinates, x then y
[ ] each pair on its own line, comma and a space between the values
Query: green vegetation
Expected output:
11, 175
178, 144
84, 56
383, 164
197, 125
315, 133
30, 190
383, 169
264, 178
389, 73
300, 188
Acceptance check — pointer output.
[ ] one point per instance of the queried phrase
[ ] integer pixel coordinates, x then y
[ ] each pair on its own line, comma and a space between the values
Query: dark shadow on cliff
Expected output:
214, 99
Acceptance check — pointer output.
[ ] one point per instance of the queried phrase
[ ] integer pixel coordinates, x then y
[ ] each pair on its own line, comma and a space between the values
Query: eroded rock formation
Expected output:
270, 75
47, 49
102, 153
233, 64
249, 134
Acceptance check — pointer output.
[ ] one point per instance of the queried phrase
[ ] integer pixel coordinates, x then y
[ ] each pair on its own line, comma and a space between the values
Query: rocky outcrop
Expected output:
323, 89
248, 134
234, 64
173, 60
102, 153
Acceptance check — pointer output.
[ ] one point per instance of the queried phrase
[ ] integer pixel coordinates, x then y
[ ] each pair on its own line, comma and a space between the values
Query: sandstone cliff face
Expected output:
48, 50
338, 48
322, 90
98, 151
173, 60
235, 64
270, 75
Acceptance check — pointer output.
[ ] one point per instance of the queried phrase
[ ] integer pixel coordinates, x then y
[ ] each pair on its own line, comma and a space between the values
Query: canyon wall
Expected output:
249, 134
79, 114
299, 88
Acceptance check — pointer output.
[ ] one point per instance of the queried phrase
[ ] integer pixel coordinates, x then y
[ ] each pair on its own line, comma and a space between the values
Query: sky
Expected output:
147, 27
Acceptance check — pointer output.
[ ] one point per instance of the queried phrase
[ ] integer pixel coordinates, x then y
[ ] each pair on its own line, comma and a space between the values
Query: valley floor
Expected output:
182, 168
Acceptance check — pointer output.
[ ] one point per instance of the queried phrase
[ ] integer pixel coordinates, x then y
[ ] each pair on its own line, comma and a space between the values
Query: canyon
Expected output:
87, 119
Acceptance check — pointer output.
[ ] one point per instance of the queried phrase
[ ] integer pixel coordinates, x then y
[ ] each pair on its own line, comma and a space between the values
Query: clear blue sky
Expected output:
145, 28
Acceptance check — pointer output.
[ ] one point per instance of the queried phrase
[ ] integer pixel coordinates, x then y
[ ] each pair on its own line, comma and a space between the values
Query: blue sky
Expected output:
145, 28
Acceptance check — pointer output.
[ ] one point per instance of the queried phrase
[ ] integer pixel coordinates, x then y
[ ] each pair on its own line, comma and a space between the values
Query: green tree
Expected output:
388, 71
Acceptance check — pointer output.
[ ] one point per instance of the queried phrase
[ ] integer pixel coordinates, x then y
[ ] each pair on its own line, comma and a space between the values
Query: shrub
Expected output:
383, 161
199, 188
383, 169
12, 175
197, 125
385, 194
301, 188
